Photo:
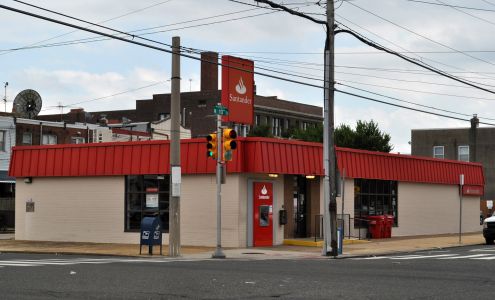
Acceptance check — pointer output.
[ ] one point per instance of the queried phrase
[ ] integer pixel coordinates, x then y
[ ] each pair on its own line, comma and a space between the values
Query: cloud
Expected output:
276, 41
67, 87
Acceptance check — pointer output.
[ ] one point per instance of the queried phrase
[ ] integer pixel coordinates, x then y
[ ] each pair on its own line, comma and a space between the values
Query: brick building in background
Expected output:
197, 108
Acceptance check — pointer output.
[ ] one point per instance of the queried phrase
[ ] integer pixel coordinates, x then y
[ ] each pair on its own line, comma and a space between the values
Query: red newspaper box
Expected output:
376, 224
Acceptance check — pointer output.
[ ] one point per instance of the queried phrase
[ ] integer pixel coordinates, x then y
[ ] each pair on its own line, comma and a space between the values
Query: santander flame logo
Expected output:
264, 191
240, 87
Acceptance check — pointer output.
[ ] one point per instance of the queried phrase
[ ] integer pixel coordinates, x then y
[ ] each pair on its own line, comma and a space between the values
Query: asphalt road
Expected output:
459, 273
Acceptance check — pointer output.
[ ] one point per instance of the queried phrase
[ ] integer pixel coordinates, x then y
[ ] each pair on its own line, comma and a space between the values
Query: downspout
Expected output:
41, 133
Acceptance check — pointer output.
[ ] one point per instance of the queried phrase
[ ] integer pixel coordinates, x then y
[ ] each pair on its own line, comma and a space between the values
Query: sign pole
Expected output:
461, 184
218, 251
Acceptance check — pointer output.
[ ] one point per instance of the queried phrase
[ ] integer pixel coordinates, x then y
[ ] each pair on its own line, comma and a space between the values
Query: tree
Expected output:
310, 134
261, 130
366, 136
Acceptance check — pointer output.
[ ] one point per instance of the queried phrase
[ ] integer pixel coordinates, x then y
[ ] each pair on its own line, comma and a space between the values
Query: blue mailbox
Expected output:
151, 233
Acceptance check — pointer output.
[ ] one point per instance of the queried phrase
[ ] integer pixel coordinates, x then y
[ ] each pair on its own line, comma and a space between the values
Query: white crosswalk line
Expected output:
421, 256
482, 250
465, 256
372, 258
80, 261
486, 257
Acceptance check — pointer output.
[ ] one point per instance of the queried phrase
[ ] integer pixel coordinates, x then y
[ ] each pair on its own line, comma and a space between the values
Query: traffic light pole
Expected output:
218, 251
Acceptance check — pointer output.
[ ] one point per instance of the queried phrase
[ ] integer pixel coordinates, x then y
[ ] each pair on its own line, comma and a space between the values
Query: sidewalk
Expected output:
364, 248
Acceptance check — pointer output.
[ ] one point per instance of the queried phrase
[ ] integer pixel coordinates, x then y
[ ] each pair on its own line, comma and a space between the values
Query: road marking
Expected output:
421, 256
483, 250
77, 261
486, 258
466, 256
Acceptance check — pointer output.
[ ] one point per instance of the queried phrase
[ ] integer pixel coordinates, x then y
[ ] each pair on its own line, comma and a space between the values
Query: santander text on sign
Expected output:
238, 89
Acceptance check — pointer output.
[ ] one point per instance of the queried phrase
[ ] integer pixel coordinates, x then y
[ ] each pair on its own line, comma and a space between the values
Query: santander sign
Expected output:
238, 89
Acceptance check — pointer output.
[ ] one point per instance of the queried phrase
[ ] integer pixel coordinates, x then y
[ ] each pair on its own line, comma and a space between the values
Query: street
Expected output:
456, 273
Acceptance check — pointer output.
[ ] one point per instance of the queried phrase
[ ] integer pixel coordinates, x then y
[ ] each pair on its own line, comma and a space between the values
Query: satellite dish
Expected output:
27, 104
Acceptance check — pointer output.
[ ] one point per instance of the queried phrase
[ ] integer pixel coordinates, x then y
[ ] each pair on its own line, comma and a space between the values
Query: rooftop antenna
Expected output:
5, 96
61, 107
190, 82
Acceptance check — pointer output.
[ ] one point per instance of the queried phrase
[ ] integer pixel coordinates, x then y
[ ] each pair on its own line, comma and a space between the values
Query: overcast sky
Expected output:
458, 40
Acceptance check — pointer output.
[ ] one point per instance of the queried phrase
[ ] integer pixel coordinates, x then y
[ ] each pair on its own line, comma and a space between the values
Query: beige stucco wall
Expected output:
79, 209
434, 209
423, 209
91, 209
198, 211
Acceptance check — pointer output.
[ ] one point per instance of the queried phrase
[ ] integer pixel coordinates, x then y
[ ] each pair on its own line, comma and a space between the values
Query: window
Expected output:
257, 120
146, 195
27, 138
2, 140
77, 140
276, 126
49, 139
163, 116
202, 103
372, 198
463, 154
438, 152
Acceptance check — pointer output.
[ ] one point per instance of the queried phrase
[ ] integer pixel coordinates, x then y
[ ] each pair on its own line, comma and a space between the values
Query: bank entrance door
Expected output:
262, 214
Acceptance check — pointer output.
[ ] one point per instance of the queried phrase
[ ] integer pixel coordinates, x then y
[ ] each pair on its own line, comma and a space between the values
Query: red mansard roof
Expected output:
254, 155
387, 166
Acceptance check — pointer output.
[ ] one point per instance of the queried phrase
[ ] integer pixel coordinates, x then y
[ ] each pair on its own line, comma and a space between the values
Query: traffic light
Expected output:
229, 143
211, 147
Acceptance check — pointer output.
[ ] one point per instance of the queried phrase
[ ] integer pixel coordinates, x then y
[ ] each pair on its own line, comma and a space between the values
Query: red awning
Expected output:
386, 166
254, 155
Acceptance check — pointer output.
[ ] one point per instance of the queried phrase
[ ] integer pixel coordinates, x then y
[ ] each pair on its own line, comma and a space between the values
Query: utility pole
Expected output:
174, 214
330, 214
329, 193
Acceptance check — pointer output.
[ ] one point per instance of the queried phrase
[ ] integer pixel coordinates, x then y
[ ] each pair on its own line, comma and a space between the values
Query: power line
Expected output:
466, 13
410, 102
420, 35
423, 65
405, 80
148, 46
168, 51
453, 6
397, 45
132, 33
407, 71
405, 107
113, 95
111, 19
417, 91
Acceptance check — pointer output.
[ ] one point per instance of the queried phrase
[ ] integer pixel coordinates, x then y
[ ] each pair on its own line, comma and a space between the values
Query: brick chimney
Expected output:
473, 139
209, 71
77, 115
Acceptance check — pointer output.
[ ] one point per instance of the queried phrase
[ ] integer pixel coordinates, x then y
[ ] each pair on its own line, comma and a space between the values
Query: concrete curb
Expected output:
306, 243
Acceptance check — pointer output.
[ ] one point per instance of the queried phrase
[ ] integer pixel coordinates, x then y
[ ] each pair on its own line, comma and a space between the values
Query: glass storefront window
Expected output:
146, 195
372, 198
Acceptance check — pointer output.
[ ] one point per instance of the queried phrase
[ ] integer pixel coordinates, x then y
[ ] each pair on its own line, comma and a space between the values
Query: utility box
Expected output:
282, 217
151, 233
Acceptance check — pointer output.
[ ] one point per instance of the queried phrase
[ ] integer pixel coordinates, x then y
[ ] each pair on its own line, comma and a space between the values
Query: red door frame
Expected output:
262, 214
